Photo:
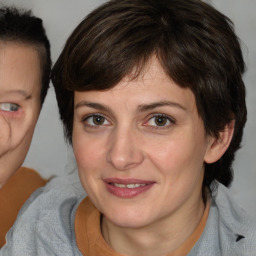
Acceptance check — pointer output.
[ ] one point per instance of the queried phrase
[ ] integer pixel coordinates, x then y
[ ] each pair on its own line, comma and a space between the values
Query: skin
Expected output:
20, 85
129, 141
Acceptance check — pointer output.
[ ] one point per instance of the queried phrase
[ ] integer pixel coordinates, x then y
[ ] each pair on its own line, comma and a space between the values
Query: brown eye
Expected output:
98, 120
161, 120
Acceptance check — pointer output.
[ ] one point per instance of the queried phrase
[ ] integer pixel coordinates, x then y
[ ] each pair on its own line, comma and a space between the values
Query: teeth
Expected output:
128, 185
119, 185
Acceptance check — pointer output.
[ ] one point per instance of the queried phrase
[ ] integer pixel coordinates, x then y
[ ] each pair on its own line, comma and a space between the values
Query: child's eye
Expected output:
160, 121
10, 107
96, 120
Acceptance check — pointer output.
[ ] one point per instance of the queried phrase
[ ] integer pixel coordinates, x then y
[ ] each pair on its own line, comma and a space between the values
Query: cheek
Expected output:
21, 131
178, 157
89, 163
88, 152
24, 128
24, 143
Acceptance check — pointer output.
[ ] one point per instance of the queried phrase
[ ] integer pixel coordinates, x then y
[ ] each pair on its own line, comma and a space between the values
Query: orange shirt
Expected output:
14, 194
91, 242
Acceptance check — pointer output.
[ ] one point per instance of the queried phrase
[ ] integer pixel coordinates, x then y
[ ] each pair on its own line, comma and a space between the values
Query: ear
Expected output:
218, 146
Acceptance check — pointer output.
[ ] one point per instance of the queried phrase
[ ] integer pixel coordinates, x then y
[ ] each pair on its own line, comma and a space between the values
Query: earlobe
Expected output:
218, 146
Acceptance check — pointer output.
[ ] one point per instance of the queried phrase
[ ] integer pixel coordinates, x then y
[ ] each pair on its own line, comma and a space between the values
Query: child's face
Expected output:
20, 85
140, 149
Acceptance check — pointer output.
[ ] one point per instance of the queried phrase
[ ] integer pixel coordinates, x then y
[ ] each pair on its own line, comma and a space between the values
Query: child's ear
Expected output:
217, 146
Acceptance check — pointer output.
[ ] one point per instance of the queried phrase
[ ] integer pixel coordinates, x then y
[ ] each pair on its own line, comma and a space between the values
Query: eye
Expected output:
10, 107
160, 121
96, 120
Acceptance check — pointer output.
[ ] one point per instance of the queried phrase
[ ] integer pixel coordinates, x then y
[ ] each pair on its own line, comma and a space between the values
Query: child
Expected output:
25, 65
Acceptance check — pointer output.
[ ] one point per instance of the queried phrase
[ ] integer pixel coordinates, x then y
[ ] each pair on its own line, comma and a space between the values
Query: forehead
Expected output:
19, 66
152, 84
17, 51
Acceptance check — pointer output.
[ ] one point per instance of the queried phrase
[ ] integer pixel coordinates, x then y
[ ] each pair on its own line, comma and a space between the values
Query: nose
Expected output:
124, 151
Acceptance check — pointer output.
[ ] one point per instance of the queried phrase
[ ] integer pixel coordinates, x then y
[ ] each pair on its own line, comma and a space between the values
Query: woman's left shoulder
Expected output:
229, 230
237, 229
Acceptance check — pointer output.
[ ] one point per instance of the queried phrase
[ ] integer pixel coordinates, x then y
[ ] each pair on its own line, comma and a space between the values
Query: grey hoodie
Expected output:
45, 225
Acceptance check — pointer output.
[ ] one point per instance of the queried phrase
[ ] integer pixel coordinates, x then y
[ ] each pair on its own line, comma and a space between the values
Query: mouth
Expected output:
127, 188
128, 185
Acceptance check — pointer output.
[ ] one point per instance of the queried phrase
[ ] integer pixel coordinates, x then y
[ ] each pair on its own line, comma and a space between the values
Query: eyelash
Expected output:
85, 121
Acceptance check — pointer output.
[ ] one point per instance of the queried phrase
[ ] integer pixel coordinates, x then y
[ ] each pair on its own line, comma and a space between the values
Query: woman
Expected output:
24, 80
153, 102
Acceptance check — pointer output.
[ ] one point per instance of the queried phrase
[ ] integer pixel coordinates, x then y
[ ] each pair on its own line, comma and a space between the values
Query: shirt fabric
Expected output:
46, 225
14, 194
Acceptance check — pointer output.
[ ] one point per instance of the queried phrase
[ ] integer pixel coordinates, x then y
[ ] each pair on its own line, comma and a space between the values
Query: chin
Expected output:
129, 219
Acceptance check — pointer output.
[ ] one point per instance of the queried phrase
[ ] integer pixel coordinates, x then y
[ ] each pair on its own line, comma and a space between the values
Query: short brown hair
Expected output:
195, 44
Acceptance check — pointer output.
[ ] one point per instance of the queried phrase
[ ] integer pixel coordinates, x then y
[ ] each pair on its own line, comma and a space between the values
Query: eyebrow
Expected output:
141, 108
151, 106
93, 105
20, 92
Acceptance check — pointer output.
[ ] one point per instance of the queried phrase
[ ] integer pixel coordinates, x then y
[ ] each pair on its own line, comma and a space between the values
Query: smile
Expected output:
127, 188
128, 185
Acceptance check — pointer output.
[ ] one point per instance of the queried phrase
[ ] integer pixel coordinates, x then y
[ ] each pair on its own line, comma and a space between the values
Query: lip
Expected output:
125, 192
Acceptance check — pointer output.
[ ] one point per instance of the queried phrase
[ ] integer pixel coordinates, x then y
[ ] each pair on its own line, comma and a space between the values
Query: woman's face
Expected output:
20, 85
140, 149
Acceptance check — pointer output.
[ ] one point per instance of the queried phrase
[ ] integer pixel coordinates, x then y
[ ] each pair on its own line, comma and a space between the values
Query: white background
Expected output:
49, 153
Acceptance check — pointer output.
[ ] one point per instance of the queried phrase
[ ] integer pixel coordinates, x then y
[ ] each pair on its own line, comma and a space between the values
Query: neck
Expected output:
156, 239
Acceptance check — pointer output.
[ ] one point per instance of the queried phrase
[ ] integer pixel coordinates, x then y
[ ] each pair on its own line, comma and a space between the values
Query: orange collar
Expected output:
91, 242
